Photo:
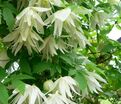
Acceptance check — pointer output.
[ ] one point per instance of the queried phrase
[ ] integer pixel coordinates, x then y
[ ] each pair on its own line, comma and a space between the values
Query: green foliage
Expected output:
46, 40
4, 94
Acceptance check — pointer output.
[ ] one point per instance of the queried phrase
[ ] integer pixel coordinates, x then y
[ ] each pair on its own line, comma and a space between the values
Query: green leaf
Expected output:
40, 67
67, 59
17, 84
24, 66
55, 68
3, 74
58, 68
72, 72
3, 94
21, 77
6, 4
92, 67
18, 77
0, 16
9, 18
80, 78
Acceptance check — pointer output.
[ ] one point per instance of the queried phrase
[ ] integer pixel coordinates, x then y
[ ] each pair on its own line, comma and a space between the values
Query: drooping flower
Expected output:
99, 18
23, 34
23, 37
50, 46
32, 95
58, 99
93, 84
31, 16
65, 86
67, 20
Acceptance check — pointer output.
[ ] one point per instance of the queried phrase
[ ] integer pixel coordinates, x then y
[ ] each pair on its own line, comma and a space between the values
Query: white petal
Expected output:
62, 14
58, 27
40, 9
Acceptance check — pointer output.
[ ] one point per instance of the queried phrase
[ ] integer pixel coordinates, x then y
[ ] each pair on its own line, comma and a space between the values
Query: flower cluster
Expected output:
29, 30
62, 91
59, 94
23, 33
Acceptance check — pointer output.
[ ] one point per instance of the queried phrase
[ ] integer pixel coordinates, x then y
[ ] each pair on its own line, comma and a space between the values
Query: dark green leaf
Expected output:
9, 18
40, 67
21, 77
6, 4
67, 59
3, 74
24, 66
0, 16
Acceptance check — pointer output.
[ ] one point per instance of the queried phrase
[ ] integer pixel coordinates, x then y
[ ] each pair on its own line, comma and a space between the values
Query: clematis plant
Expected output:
56, 51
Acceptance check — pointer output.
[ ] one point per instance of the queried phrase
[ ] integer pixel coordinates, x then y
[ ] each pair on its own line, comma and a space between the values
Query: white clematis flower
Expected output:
31, 17
93, 83
24, 35
60, 17
67, 20
58, 99
65, 86
99, 18
32, 95
50, 46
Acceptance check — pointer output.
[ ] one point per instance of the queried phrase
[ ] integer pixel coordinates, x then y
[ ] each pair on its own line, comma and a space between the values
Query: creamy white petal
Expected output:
62, 14
40, 9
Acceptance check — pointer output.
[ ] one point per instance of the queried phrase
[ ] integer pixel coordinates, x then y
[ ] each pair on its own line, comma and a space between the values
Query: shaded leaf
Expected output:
9, 18
40, 67
3, 74
24, 66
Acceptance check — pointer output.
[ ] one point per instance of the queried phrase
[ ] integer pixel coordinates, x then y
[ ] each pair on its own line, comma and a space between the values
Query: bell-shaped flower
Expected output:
60, 17
50, 46
23, 34
32, 95
66, 86
67, 20
99, 18
58, 99
31, 16
4, 59
93, 84
23, 37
